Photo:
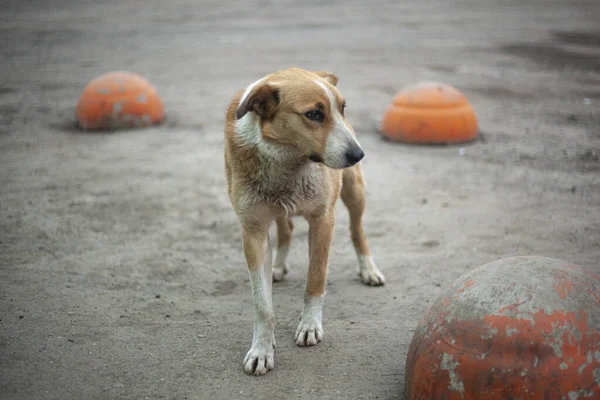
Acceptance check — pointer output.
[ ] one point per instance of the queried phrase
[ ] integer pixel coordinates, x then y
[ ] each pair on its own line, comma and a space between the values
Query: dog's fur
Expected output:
290, 151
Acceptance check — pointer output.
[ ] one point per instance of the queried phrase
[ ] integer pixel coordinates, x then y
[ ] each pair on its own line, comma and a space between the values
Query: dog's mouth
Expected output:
315, 158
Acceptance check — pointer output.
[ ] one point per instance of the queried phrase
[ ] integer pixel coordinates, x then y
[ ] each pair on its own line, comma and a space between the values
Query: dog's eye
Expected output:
315, 115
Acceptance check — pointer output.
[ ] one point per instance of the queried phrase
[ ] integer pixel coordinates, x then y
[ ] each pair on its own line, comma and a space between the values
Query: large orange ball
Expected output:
517, 328
430, 113
119, 100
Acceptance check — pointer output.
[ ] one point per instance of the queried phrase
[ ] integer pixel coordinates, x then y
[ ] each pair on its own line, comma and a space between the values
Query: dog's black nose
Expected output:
354, 155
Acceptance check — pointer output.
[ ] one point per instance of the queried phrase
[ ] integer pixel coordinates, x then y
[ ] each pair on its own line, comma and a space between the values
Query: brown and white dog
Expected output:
290, 151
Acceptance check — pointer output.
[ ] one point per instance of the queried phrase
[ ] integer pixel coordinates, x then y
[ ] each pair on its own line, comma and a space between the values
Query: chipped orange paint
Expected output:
596, 296
519, 350
467, 284
563, 285
543, 358
119, 100
513, 308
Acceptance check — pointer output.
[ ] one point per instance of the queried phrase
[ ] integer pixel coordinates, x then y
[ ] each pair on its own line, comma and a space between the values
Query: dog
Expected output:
289, 151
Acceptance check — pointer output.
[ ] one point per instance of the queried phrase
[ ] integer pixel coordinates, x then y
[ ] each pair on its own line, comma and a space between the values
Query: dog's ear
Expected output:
328, 76
262, 99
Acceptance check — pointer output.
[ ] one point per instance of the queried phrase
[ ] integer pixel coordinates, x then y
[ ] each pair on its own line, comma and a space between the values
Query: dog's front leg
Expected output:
320, 235
257, 251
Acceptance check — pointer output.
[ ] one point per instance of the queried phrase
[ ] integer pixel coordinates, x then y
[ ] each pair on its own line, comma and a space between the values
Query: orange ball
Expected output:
516, 328
119, 100
432, 113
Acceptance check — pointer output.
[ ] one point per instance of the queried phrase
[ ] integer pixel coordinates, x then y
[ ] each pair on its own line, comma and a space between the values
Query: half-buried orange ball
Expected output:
430, 113
119, 100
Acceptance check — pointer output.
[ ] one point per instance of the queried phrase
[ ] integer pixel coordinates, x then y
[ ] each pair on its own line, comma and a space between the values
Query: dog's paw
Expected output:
368, 272
372, 278
309, 332
259, 360
279, 271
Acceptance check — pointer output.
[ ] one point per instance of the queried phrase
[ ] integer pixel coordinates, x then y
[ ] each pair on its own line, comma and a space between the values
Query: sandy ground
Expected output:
121, 268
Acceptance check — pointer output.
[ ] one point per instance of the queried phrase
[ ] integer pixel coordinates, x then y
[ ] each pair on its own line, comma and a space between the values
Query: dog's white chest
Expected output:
299, 193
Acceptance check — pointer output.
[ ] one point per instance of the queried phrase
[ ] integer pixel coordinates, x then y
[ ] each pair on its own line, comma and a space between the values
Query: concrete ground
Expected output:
121, 272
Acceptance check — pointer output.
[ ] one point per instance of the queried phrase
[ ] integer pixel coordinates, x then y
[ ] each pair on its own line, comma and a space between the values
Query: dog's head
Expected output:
303, 110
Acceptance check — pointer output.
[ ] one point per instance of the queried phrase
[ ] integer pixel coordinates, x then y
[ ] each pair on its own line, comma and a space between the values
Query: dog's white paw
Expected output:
372, 278
310, 328
369, 273
259, 360
309, 332
279, 271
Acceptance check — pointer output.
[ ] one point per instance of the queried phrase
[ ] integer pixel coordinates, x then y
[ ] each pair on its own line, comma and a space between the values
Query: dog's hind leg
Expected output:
353, 196
285, 226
